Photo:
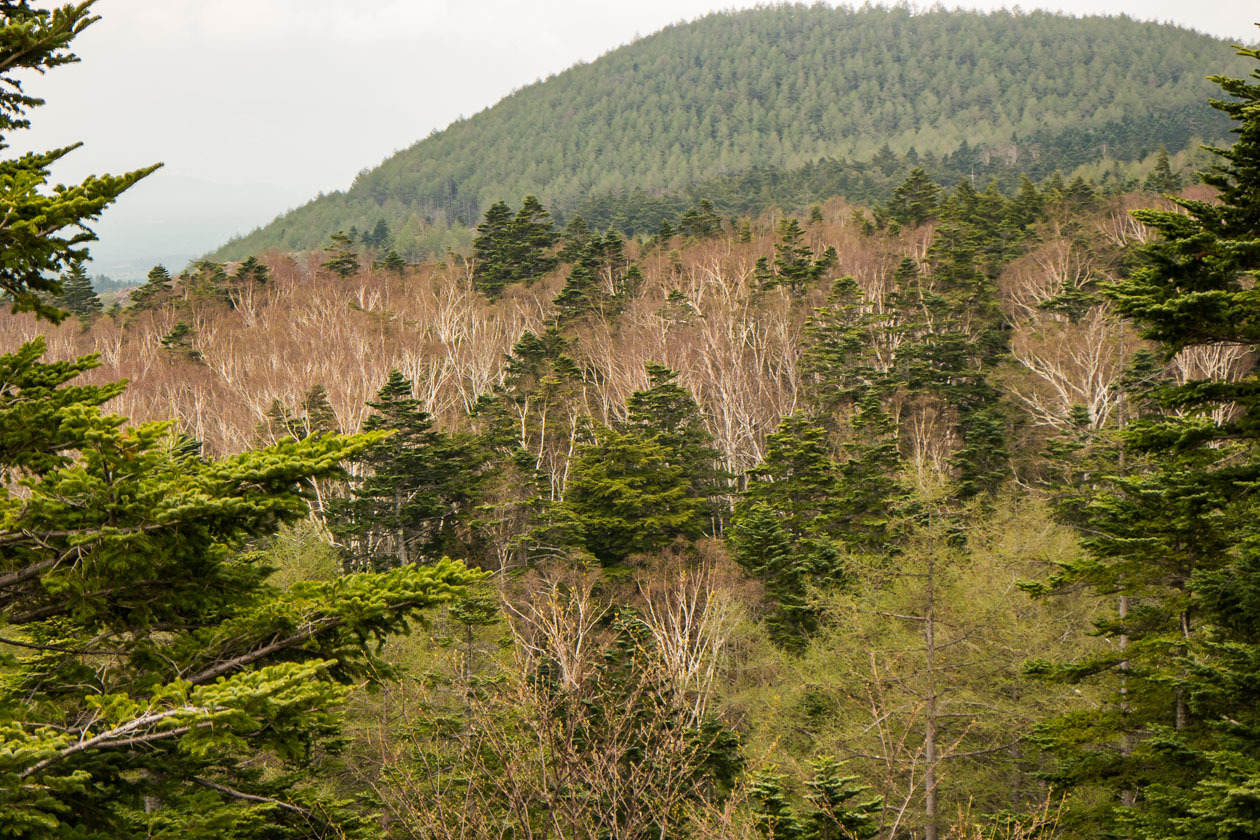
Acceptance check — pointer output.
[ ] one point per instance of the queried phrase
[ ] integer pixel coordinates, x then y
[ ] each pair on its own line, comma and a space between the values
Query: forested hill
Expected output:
783, 87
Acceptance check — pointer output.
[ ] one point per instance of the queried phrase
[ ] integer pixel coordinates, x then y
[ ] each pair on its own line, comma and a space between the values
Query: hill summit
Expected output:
785, 87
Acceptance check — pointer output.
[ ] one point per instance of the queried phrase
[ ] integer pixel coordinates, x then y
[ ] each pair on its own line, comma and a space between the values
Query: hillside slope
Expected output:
783, 87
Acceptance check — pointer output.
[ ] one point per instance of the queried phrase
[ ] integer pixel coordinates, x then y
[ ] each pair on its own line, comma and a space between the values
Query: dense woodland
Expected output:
848, 100
926, 517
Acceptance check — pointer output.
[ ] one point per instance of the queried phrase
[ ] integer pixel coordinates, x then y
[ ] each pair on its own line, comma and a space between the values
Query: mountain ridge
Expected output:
783, 86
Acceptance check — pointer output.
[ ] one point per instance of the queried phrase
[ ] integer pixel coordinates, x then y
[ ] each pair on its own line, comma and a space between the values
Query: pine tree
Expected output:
828, 813
834, 359
1162, 179
870, 492
77, 295
513, 249
1028, 207
795, 265
668, 413
532, 237
252, 271
915, 200
786, 522
378, 238
153, 676
576, 236
492, 269
314, 415
797, 477
1171, 535
155, 289
417, 492
701, 221
393, 263
343, 259
628, 498
179, 341
583, 292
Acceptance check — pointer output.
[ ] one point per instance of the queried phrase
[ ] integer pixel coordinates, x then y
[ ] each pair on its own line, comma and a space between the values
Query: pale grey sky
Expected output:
257, 105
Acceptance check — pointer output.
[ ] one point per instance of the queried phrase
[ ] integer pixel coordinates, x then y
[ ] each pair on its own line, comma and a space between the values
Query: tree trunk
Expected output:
929, 735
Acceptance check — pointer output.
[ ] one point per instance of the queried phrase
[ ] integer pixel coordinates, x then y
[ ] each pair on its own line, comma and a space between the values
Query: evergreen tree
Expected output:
378, 238
629, 498
314, 415
77, 295
829, 812
1028, 206
953, 333
44, 231
916, 200
155, 288
701, 221
576, 236
1171, 535
868, 483
1162, 179
668, 413
492, 269
343, 260
797, 477
786, 522
795, 265
834, 359
153, 677
417, 492
532, 237
513, 249
252, 271
393, 263
583, 292
180, 342
886, 160
765, 549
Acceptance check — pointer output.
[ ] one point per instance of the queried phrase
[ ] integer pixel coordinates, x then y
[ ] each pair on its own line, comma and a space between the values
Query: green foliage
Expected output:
701, 221
156, 288
343, 259
393, 263
252, 272
77, 295
513, 249
788, 105
835, 358
583, 292
414, 500
828, 813
916, 200
629, 496
795, 265
1171, 532
1162, 179
179, 341
153, 681
44, 230
314, 415
785, 523
667, 412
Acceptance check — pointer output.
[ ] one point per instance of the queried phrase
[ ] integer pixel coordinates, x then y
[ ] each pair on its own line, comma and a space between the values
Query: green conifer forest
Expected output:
763, 106
918, 510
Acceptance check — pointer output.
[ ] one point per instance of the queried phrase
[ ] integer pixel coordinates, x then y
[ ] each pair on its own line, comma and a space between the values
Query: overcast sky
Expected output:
257, 105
